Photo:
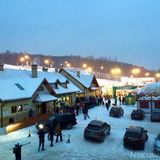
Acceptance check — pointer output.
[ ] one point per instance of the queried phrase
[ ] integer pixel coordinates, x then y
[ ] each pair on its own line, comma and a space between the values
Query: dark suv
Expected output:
138, 114
97, 130
155, 116
116, 112
66, 120
135, 137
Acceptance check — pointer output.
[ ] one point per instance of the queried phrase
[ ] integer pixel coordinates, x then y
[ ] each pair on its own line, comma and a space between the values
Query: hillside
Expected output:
75, 61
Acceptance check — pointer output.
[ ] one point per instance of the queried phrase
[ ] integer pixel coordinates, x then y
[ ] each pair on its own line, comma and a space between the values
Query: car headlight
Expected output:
41, 126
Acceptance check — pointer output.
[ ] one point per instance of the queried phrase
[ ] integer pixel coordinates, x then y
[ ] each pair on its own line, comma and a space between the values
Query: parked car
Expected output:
155, 116
135, 137
138, 114
116, 112
66, 120
97, 130
157, 145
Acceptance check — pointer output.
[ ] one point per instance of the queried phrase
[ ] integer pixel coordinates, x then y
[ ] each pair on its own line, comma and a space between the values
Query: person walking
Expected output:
41, 135
51, 135
107, 106
58, 132
17, 151
123, 100
109, 102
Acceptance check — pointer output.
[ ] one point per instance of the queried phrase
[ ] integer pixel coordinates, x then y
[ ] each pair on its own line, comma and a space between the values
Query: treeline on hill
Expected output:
75, 61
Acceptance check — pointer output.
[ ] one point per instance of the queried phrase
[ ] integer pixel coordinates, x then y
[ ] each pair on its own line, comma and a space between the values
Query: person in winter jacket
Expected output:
41, 135
51, 135
17, 151
58, 131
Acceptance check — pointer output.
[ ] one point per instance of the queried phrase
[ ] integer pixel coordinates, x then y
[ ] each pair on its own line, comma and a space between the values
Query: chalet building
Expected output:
149, 103
28, 96
149, 97
86, 82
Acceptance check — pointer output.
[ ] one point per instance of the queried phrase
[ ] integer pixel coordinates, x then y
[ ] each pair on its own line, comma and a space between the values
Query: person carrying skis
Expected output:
17, 151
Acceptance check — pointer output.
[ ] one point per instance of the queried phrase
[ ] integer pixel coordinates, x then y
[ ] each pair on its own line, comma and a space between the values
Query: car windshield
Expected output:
94, 127
51, 118
133, 134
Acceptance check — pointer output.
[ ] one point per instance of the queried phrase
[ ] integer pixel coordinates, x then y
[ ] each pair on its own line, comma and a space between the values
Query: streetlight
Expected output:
135, 71
26, 57
102, 67
84, 65
147, 74
22, 59
46, 61
116, 72
68, 65
89, 69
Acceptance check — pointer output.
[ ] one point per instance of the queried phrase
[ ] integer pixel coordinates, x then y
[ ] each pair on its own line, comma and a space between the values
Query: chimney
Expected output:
56, 69
1, 67
34, 70
78, 74
44, 69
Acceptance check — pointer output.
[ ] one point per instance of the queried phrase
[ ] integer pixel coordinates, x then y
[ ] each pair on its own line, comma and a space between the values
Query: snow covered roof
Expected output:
23, 74
18, 84
70, 89
44, 97
106, 82
151, 88
84, 79
18, 88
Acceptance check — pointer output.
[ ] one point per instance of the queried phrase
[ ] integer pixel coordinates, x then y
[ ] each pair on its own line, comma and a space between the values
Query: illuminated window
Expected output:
19, 108
15, 109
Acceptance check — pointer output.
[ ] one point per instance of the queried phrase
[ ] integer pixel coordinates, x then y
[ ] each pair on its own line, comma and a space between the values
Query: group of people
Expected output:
57, 131
53, 131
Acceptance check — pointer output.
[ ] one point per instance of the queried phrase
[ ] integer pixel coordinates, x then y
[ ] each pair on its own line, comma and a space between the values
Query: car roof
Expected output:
155, 112
62, 114
116, 108
96, 123
134, 129
138, 110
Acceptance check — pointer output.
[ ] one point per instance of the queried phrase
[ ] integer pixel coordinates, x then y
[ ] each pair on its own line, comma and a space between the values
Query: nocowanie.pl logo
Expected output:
135, 155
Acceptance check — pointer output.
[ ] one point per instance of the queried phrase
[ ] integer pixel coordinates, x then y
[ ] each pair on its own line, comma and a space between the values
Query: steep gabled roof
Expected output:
84, 79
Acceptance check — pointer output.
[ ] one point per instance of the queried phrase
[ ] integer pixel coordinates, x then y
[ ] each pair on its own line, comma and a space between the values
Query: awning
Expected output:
44, 97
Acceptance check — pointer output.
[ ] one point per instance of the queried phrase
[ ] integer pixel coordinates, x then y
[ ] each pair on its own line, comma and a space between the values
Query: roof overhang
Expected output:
44, 97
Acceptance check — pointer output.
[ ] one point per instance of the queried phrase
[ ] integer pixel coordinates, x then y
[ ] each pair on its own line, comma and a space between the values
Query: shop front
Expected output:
122, 90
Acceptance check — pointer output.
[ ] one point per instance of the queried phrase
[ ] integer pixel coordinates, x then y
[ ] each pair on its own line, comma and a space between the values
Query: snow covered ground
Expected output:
79, 148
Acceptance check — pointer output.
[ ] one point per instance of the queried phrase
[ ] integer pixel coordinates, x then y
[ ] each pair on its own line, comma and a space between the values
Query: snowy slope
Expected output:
79, 148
